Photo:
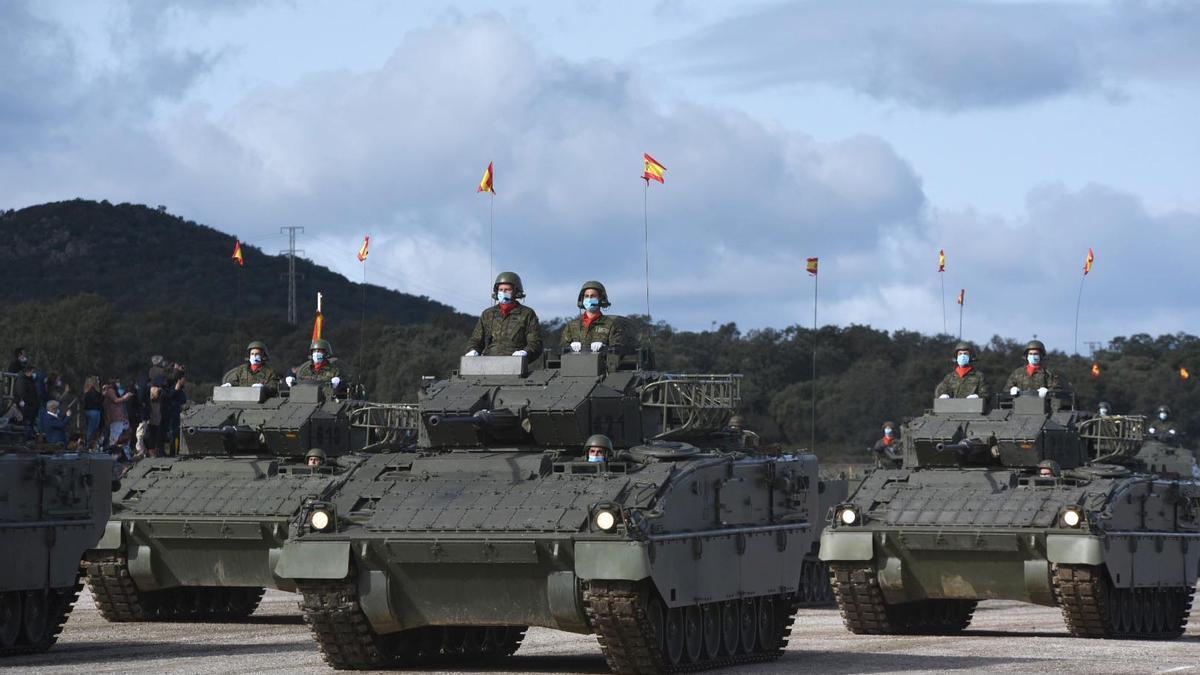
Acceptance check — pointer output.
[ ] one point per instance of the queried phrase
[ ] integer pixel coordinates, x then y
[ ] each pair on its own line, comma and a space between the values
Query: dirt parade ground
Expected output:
1005, 637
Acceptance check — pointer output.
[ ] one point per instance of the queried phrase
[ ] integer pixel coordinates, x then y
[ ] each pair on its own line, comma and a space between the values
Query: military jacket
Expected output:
242, 376
962, 387
607, 329
1162, 428
325, 374
883, 452
1021, 379
499, 335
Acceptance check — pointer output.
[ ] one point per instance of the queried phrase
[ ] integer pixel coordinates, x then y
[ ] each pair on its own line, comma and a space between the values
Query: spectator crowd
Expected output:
130, 417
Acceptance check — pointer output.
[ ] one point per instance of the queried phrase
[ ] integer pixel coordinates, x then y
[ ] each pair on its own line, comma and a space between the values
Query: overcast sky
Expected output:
1013, 134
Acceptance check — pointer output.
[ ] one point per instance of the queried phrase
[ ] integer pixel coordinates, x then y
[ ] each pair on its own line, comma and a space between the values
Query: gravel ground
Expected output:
1005, 637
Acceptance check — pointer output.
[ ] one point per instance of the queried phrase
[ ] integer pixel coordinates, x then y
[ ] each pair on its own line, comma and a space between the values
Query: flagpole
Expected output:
1078, 302
961, 306
646, 234
362, 324
813, 430
491, 235
942, 276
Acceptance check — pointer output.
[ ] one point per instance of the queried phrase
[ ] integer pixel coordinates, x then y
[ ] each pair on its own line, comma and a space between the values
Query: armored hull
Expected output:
677, 552
198, 536
973, 516
54, 507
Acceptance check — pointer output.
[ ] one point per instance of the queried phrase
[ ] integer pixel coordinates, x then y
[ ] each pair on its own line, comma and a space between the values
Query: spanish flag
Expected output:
942, 260
319, 321
1095, 370
812, 266
486, 184
364, 249
654, 170
237, 254
1087, 264
962, 295
1183, 373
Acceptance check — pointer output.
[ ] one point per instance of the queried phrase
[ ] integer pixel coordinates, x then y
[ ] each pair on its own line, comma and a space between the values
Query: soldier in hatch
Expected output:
319, 368
1104, 409
964, 381
593, 330
316, 457
746, 439
1033, 376
255, 372
508, 327
1162, 425
598, 447
887, 448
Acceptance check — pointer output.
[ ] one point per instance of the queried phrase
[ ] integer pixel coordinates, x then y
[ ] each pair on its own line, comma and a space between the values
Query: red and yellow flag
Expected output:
962, 296
487, 185
812, 266
1095, 370
364, 249
319, 321
1087, 264
942, 260
237, 254
654, 170
1183, 373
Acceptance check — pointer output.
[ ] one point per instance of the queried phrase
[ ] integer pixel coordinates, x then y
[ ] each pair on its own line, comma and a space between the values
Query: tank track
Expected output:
59, 602
348, 642
119, 600
1093, 608
866, 612
617, 612
815, 587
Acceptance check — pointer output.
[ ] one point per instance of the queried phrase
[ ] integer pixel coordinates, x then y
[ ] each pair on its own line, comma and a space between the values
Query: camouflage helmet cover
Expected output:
964, 346
889, 423
1164, 409
596, 286
258, 344
509, 278
598, 440
737, 422
316, 452
1035, 344
321, 343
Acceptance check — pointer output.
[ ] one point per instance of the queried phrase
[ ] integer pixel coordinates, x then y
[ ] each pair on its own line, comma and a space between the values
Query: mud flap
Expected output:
837, 546
314, 560
111, 540
615, 560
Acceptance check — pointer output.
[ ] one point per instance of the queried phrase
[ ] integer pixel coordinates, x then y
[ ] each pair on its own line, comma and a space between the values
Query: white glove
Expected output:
472, 353
1014, 391
1169, 431
944, 396
290, 380
256, 384
1042, 391
972, 395
597, 346
227, 384
336, 382
520, 352
576, 346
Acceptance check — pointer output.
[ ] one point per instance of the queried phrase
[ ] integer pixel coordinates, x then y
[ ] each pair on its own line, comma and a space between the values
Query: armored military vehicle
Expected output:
53, 508
679, 552
1031, 501
198, 536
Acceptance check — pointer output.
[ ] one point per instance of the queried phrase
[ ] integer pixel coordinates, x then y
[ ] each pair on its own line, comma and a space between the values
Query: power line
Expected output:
291, 252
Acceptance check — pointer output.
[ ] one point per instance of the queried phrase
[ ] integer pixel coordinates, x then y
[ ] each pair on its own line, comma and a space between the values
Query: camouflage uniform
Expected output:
607, 329
499, 335
242, 376
307, 373
962, 386
1023, 380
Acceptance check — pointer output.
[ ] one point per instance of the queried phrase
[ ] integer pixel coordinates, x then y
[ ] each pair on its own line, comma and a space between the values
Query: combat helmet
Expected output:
598, 440
1035, 344
1104, 406
316, 452
889, 423
596, 286
1164, 409
737, 422
258, 344
509, 278
964, 346
321, 343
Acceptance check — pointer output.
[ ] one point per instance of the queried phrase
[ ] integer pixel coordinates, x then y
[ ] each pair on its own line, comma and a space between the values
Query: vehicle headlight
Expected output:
605, 520
848, 515
1072, 517
320, 519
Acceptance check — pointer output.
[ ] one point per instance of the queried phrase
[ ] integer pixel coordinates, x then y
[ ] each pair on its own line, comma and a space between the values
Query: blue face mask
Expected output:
503, 297
255, 359
1035, 359
318, 357
120, 391
888, 431
591, 304
963, 359
1162, 416
1104, 412
595, 459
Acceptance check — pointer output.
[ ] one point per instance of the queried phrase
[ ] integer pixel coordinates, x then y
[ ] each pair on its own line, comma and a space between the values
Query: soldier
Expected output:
1033, 376
255, 372
316, 457
748, 439
508, 327
1048, 468
598, 448
886, 448
319, 367
1164, 426
593, 328
964, 381
1103, 409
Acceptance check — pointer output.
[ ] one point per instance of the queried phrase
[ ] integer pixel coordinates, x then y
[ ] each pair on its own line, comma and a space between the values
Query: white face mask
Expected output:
503, 297
1162, 416
255, 359
887, 431
1104, 412
1035, 359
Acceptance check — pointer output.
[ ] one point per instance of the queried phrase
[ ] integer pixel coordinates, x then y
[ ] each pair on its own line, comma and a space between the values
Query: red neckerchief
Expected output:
1032, 369
588, 320
318, 365
506, 308
963, 370
255, 367
888, 440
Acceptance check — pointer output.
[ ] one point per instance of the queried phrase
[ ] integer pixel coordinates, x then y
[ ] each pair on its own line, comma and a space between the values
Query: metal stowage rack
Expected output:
692, 404
388, 425
1113, 437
